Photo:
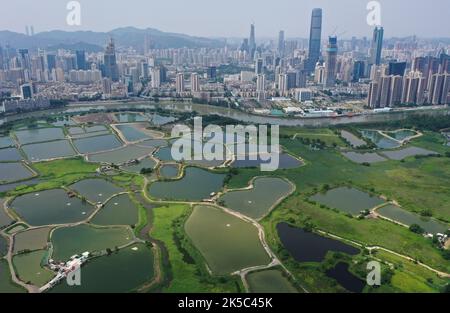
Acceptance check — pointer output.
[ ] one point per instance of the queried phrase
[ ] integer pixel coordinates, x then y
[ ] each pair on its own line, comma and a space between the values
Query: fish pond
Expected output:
121, 155
5, 219
6, 284
226, 242
352, 139
360, 158
137, 167
120, 272
257, 201
29, 267
51, 207
196, 184
120, 210
49, 150
88, 238
10, 172
407, 152
33, 239
97, 144
10, 155
169, 170
131, 133
39, 135
345, 278
308, 246
269, 281
381, 141
348, 200
6, 142
96, 190
400, 215
401, 134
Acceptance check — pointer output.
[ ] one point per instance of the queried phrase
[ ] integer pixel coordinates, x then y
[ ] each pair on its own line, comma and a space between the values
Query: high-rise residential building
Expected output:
372, 98
315, 38
144, 70
435, 93
107, 86
110, 67
445, 97
283, 84
156, 77
252, 41
385, 91
195, 82
81, 59
377, 46
397, 68
261, 86
319, 74
396, 91
179, 83
330, 63
413, 88
281, 43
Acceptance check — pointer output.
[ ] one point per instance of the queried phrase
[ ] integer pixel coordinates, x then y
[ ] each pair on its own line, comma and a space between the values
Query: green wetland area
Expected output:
104, 186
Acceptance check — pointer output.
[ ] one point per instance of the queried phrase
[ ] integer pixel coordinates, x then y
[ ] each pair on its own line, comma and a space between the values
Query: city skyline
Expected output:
293, 18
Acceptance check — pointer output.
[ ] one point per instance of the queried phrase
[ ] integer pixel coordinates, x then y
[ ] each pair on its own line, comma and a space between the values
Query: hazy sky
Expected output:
231, 18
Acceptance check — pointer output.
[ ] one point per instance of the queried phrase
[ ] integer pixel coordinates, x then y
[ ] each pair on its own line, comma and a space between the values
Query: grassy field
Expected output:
58, 173
186, 276
324, 134
410, 277
418, 184
395, 179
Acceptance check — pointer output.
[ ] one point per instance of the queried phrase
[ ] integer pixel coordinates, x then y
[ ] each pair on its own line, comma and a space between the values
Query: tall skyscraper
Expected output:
331, 59
109, 62
281, 43
51, 62
252, 41
81, 59
259, 66
358, 71
377, 46
315, 38
211, 72
26, 91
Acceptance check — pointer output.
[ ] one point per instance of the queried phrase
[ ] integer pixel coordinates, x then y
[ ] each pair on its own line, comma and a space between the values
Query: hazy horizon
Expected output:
200, 17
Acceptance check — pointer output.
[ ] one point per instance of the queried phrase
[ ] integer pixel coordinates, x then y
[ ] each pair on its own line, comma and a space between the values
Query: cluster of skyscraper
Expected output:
428, 82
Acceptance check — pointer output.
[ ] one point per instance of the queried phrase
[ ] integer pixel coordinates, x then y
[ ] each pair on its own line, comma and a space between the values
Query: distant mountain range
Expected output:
95, 41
